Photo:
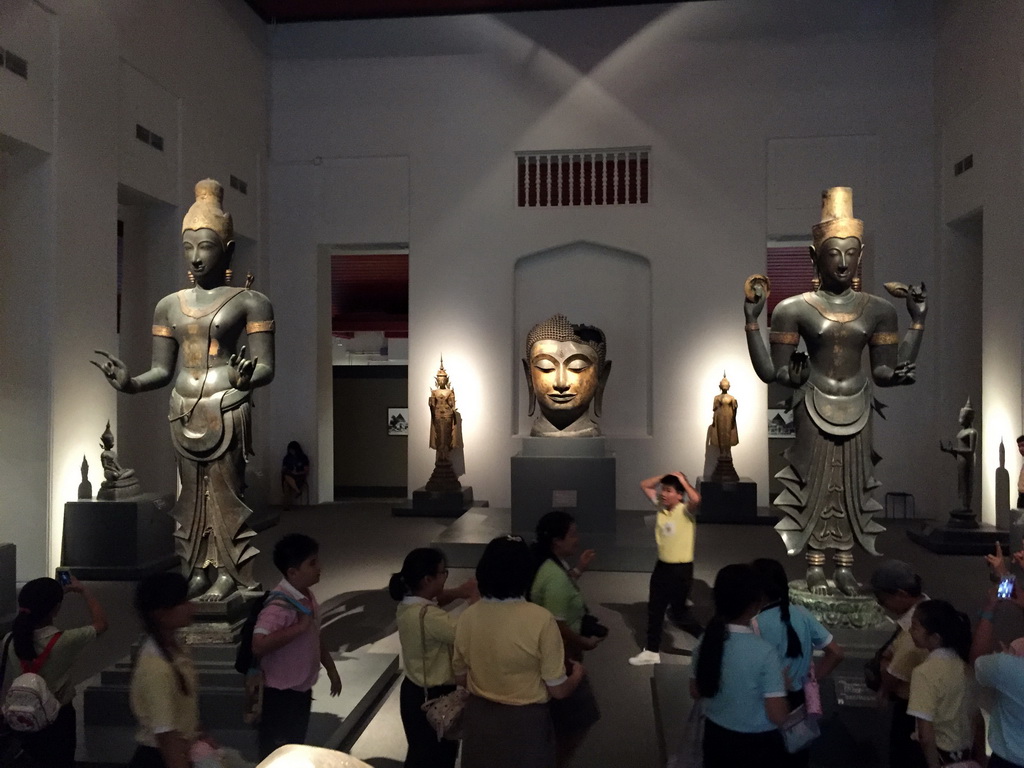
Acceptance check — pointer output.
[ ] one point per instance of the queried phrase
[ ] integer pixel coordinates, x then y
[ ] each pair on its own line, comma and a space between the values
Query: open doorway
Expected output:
370, 365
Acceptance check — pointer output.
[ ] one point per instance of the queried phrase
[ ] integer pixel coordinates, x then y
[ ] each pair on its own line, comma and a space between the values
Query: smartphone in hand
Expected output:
1005, 589
64, 577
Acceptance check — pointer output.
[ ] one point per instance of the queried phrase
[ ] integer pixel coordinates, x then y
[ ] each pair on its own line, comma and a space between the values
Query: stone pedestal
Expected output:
724, 471
950, 540
727, 502
118, 540
8, 586
838, 610
220, 622
426, 503
570, 473
119, 490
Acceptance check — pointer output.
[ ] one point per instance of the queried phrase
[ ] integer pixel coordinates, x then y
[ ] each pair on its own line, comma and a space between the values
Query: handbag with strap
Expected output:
812, 692
799, 730
873, 666
445, 712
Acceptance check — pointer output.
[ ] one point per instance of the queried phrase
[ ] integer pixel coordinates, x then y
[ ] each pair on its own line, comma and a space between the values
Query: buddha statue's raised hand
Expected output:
241, 370
115, 371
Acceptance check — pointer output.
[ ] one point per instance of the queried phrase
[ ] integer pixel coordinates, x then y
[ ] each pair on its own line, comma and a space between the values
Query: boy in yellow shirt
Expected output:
675, 530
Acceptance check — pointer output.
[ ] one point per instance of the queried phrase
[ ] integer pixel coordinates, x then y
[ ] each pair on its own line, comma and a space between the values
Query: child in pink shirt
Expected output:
286, 640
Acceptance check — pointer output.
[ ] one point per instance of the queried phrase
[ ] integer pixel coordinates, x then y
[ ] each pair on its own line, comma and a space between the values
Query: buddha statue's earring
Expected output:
815, 281
856, 283
227, 276
191, 278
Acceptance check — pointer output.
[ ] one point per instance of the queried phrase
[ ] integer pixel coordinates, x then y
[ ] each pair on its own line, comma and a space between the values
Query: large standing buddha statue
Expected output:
829, 478
199, 331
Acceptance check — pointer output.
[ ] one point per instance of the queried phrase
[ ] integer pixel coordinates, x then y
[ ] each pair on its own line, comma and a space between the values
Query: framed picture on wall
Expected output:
398, 421
780, 423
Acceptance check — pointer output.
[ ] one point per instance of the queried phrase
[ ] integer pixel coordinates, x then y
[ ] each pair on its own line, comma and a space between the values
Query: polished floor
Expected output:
362, 544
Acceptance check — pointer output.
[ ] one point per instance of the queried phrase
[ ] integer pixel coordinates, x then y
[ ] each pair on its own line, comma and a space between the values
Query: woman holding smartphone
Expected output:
36, 645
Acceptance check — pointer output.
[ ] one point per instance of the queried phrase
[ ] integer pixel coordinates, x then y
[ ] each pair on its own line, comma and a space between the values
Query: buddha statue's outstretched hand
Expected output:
241, 370
917, 304
115, 370
904, 373
752, 309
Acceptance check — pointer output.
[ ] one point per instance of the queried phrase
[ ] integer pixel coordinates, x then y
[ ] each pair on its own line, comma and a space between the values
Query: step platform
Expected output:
107, 727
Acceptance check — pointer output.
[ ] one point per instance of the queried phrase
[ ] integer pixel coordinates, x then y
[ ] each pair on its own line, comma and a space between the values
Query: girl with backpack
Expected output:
737, 676
943, 698
38, 646
795, 634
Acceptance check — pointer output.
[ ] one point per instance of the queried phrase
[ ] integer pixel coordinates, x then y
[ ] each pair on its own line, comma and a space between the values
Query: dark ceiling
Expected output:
289, 11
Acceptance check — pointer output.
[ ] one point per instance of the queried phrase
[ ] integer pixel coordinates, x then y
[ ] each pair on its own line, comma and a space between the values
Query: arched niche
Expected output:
597, 285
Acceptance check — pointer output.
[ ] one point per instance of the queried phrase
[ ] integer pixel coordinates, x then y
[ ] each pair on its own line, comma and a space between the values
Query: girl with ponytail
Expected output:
795, 634
738, 678
555, 588
32, 633
942, 698
164, 695
426, 633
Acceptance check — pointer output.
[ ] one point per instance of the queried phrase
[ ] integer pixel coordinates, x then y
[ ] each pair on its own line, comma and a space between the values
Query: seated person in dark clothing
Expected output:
294, 473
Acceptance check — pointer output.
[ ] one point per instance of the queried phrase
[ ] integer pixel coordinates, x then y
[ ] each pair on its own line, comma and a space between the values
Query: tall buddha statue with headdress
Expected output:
566, 371
828, 481
215, 342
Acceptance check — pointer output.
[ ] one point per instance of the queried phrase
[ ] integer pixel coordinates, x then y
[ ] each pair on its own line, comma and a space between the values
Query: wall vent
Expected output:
241, 186
146, 136
14, 63
580, 177
963, 165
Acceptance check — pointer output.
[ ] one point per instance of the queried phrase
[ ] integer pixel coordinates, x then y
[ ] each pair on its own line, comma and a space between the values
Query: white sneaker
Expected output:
645, 657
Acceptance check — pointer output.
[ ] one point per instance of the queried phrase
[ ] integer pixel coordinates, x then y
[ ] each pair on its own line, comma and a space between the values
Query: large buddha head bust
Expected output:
566, 370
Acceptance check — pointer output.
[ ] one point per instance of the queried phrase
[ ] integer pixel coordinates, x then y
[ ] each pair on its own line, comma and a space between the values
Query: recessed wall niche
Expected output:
598, 285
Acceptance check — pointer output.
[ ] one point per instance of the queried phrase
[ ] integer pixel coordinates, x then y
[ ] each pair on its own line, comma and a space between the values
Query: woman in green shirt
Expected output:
555, 588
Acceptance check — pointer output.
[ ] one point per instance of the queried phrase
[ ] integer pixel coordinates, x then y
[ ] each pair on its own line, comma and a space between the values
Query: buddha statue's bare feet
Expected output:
845, 581
198, 584
817, 584
221, 588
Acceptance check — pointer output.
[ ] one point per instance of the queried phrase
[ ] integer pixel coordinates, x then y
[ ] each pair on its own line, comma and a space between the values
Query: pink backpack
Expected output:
30, 706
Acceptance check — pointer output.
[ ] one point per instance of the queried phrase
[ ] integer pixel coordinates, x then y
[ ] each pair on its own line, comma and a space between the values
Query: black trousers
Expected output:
146, 757
425, 751
285, 718
904, 752
670, 588
54, 746
725, 748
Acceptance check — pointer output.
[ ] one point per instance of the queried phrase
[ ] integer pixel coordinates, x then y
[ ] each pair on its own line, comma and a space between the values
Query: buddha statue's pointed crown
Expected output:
837, 216
206, 211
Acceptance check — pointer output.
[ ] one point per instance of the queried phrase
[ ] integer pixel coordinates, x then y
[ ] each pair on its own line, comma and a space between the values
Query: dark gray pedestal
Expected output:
437, 504
945, 540
728, 502
8, 586
564, 473
118, 540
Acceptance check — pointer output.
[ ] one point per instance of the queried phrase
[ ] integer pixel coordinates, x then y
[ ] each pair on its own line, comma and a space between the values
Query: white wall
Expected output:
198, 74
709, 86
979, 108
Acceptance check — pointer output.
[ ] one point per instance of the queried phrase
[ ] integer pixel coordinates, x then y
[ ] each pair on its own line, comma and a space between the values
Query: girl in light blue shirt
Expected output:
738, 677
795, 634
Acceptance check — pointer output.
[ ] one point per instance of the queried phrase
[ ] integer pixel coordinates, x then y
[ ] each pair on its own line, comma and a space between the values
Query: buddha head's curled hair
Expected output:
558, 328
